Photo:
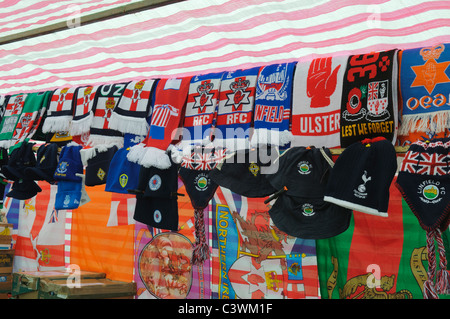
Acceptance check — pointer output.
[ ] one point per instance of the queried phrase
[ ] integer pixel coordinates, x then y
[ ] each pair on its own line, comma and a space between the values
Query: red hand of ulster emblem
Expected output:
321, 81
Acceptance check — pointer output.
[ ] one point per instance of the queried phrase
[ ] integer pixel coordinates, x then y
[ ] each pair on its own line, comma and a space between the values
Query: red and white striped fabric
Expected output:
197, 37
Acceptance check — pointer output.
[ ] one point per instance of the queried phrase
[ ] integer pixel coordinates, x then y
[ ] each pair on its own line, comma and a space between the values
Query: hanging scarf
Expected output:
425, 89
273, 105
11, 117
59, 111
82, 114
200, 109
424, 183
235, 110
106, 99
316, 102
194, 172
32, 114
167, 115
130, 115
369, 97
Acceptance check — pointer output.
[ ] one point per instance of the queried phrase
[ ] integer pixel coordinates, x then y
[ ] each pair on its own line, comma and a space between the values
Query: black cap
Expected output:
20, 158
244, 172
47, 161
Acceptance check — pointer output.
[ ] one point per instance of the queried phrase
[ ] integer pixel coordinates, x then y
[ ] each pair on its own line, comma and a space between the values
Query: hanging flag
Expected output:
122, 209
252, 259
271, 117
40, 240
369, 97
316, 102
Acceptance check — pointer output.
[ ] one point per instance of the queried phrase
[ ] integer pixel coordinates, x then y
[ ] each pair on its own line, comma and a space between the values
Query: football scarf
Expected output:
200, 109
235, 109
82, 109
424, 183
10, 118
167, 116
425, 89
316, 102
32, 113
59, 111
106, 99
273, 105
130, 115
369, 97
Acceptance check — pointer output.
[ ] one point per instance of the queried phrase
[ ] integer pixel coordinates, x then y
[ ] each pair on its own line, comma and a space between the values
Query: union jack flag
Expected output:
203, 160
372, 91
425, 164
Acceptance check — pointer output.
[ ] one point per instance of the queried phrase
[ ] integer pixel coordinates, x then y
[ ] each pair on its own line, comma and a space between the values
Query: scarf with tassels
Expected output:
59, 111
130, 115
272, 112
106, 99
424, 183
83, 103
235, 109
425, 88
167, 116
200, 109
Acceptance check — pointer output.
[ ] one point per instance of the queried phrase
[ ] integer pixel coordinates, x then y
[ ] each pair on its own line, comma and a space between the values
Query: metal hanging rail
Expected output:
87, 19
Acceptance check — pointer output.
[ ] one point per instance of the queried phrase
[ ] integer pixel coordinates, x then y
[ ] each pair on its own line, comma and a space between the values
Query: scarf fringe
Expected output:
81, 126
88, 153
126, 124
97, 140
436, 122
263, 136
149, 156
6, 143
56, 124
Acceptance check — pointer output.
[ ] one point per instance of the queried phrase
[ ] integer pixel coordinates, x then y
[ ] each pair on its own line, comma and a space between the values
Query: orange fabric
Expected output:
96, 247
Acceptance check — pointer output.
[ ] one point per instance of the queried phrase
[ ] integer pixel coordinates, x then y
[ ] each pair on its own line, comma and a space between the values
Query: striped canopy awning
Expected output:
197, 36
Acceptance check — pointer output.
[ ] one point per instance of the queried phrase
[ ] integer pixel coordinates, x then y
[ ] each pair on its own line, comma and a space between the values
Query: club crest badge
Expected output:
154, 183
431, 192
201, 182
304, 167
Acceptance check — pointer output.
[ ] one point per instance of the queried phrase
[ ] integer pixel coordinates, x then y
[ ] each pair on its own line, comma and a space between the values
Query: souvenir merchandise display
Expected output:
277, 181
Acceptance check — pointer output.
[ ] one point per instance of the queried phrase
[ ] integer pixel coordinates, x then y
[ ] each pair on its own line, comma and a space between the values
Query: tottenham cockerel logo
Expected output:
204, 97
239, 95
